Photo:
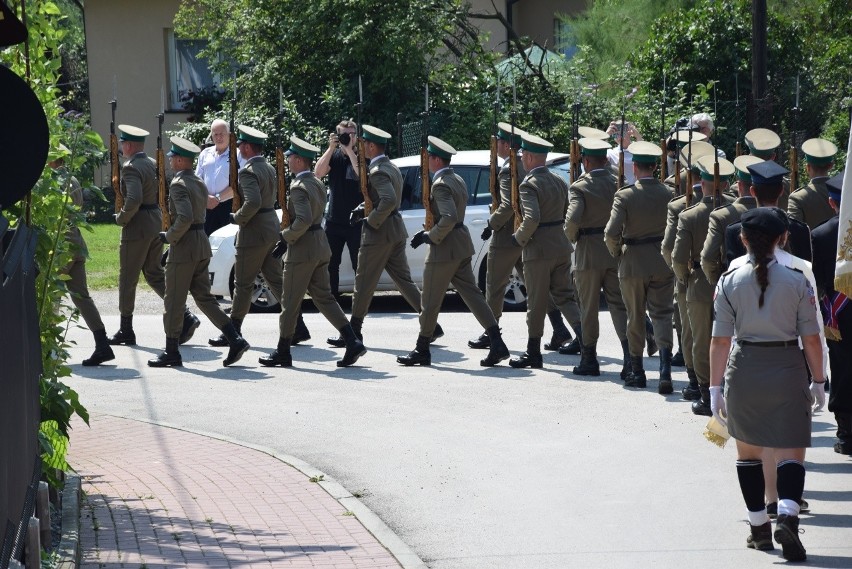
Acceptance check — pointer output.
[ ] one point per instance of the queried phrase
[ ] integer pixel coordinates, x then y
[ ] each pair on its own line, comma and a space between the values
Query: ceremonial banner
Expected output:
843, 272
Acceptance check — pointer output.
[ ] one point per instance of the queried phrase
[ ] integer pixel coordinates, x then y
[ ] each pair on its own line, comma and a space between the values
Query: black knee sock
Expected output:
750, 473
791, 480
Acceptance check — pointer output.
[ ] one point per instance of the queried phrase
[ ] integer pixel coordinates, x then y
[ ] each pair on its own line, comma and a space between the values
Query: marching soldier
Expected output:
383, 234
258, 231
763, 143
634, 232
189, 258
691, 233
140, 249
713, 255
503, 255
546, 250
448, 260
589, 206
810, 203
306, 258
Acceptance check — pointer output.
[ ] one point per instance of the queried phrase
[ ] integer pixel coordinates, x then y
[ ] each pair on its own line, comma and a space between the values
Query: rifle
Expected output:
664, 161
717, 190
233, 163
493, 185
425, 178
281, 166
575, 143
689, 180
362, 156
794, 155
162, 191
739, 149
621, 149
114, 167
513, 166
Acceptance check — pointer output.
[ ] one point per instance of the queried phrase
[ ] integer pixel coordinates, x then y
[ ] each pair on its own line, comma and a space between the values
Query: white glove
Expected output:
818, 391
717, 404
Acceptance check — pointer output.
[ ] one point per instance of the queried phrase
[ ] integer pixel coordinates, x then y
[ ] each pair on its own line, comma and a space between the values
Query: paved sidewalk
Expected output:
159, 497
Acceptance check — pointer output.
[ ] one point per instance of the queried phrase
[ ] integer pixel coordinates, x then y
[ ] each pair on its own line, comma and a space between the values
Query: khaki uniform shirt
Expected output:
139, 188
691, 233
544, 201
306, 205
810, 203
258, 182
589, 208
187, 207
714, 260
449, 235
384, 224
502, 221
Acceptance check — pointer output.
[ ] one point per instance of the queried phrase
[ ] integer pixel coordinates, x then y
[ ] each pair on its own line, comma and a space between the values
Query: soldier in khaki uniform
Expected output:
546, 250
258, 231
306, 258
763, 143
503, 255
589, 206
448, 260
140, 249
76, 269
634, 233
189, 259
383, 234
810, 203
686, 254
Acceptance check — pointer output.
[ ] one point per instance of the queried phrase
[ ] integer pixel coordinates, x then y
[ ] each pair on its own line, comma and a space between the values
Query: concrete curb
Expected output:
373, 524
68, 551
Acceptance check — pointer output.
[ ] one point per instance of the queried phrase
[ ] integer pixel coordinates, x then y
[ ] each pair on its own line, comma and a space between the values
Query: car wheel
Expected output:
261, 299
515, 297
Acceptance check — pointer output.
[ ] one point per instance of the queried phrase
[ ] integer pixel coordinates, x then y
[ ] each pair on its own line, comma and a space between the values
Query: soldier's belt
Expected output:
551, 223
644, 240
315, 227
590, 231
778, 344
149, 206
265, 209
196, 227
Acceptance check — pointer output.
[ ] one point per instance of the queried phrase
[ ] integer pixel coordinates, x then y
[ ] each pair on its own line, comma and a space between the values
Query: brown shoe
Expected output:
761, 537
787, 534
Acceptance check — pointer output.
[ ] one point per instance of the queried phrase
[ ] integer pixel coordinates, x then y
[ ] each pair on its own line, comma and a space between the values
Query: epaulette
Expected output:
795, 269
674, 199
693, 206
628, 186
724, 206
729, 271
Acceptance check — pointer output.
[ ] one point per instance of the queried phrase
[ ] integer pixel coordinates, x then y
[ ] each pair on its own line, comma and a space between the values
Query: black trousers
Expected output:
217, 217
340, 234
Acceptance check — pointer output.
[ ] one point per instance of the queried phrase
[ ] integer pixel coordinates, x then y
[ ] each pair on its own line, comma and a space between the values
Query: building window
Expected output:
563, 38
188, 72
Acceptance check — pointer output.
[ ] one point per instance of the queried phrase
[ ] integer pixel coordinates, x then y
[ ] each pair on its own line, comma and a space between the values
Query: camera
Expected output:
344, 138
682, 123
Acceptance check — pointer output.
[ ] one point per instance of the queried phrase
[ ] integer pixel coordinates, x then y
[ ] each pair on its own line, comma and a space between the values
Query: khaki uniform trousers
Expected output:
589, 284
79, 289
139, 256
372, 260
656, 292
436, 277
499, 267
682, 321
189, 278
701, 323
312, 277
548, 280
249, 261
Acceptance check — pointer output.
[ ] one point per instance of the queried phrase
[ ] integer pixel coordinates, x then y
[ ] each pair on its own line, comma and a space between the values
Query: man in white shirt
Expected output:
623, 135
213, 169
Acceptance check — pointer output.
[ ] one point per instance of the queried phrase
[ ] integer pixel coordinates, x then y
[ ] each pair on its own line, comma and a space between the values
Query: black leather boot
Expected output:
438, 333
576, 345
691, 391
589, 364
560, 331
787, 534
625, 364
531, 358
221, 341
649, 337
238, 345
103, 353
340, 341
665, 387
421, 356
483, 342
636, 378
280, 356
498, 350
354, 347
702, 406
190, 325
301, 334
761, 537
169, 358
125, 335
677, 359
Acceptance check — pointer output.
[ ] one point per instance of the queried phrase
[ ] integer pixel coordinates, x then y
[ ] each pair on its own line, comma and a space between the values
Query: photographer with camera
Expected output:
623, 136
340, 164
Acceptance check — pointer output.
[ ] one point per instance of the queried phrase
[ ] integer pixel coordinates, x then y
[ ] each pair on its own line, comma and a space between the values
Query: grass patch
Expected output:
102, 264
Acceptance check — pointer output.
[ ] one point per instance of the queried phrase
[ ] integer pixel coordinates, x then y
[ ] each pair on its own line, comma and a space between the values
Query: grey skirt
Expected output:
768, 399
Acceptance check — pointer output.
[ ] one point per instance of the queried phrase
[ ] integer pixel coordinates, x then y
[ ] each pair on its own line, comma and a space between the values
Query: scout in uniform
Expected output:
448, 260
546, 249
687, 155
503, 255
838, 319
258, 231
763, 143
306, 258
691, 233
140, 249
383, 234
810, 203
634, 232
189, 259
589, 206
714, 256
76, 269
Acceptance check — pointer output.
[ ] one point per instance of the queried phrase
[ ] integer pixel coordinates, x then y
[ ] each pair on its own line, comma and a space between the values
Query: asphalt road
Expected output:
478, 467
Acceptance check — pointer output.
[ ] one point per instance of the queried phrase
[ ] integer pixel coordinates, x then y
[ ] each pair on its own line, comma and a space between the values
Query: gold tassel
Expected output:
832, 334
843, 283
716, 432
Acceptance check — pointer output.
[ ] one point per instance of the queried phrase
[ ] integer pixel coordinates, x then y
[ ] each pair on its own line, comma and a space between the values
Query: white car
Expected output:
471, 165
